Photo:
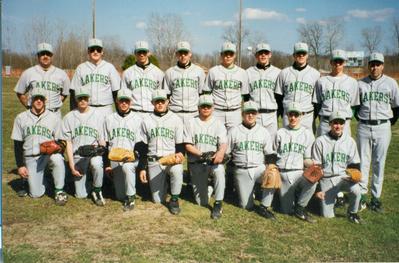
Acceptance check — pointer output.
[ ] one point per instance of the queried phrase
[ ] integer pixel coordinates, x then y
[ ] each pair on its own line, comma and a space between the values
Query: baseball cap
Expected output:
262, 46
375, 56
205, 100
183, 46
159, 94
141, 46
294, 107
94, 42
44, 47
338, 54
250, 106
37, 92
124, 94
301, 47
228, 46
337, 115
81, 92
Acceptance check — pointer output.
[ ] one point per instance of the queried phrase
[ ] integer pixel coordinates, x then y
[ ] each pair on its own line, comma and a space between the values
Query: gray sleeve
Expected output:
114, 78
66, 83
76, 81
16, 133
22, 84
394, 95
280, 84
179, 131
317, 154
245, 83
187, 133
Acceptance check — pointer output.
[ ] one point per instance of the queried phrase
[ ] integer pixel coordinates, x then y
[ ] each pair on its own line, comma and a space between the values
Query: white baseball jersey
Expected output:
227, 86
142, 83
162, 133
122, 132
377, 97
204, 135
33, 130
101, 80
262, 84
297, 86
292, 147
185, 86
82, 128
336, 93
248, 147
54, 82
335, 155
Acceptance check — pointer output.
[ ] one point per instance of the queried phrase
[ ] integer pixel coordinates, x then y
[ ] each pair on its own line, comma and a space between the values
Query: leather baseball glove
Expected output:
271, 178
50, 147
121, 155
313, 173
91, 150
207, 157
171, 159
354, 174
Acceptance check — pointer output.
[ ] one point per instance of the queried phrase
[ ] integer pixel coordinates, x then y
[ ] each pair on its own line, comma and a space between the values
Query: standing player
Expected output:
227, 83
334, 92
335, 152
250, 144
296, 84
31, 128
80, 127
204, 134
262, 83
99, 77
162, 132
184, 82
52, 80
293, 145
379, 102
142, 79
122, 130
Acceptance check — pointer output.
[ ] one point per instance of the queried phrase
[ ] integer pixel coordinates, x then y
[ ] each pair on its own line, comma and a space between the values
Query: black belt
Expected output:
185, 111
266, 111
54, 110
289, 170
228, 109
373, 122
153, 158
326, 118
307, 112
244, 167
97, 106
141, 111
33, 155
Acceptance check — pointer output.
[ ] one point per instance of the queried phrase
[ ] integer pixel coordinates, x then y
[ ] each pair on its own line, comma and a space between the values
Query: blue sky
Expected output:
275, 21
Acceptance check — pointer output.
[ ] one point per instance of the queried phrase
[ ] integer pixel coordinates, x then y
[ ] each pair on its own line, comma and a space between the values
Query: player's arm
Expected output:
23, 98
142, 149
71, 162
19, 158
190, 148
72, 100
395, 117
219, 155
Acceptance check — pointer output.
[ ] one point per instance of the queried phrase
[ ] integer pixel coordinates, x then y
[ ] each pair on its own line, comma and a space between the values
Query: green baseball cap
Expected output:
250, 106
375, 56
294, 107
141, 46
95, 42
159, 94
205, 100
337, 115
82, 92
301, 47
183, 46
44, 47
124, 94
228, 46
338, 54
37, 92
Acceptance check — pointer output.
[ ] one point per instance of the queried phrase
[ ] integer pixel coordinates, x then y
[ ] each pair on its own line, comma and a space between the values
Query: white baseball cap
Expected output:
183, 46
228, 46
262, 46
338, 54
375, 56
124, 94
95, 42
294, 107
81, 92
250, 106
301, 47
205, 100
38, 92
44, 47
159, 94
337, 115
141, 46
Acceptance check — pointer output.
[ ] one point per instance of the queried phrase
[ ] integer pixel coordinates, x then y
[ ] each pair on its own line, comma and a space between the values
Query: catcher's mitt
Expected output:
91, 150
271, 178
171, 159
207, 157
121, 155
50, 147
354, 174
313, 173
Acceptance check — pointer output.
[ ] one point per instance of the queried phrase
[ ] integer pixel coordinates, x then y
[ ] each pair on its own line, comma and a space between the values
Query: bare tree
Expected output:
312, 34
372, 38
395, 25
114, 52
231, 33
334, 32
70, 50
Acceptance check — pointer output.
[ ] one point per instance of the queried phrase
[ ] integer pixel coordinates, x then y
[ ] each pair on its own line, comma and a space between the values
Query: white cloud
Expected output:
141, 25
300, 9
301, 20
217, 23
255, 13
376, 15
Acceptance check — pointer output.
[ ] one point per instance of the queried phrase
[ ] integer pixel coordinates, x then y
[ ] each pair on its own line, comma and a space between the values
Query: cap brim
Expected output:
159, 98
250, 109
263, 49
141, 49
342, 119
82, 95
124, 98
300, 50
38, 95
338, 58
205, 103
376, 60
95, 46
229, 50
296, 111
184, 49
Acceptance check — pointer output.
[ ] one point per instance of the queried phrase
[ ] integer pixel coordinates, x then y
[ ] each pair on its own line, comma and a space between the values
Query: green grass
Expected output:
39, 231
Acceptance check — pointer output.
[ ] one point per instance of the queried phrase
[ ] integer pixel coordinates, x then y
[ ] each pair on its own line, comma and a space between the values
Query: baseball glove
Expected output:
171, 159
91, 150
313, 173
50, 147
354, 174
121, 155
271, 178
207, 157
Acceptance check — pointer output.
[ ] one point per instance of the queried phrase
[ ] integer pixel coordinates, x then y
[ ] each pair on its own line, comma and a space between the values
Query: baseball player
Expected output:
249, 143
203, 134
84, 126
335, 152
336, 91
162, 132
99, 77
52, 80
227, 83
142, 79
379, 102
293, 145
122, 130
31, 128
262, 83
296, 84
184, 82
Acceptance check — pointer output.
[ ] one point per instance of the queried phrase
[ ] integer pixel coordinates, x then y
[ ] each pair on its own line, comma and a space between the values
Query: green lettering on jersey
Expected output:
162, 132
300, 86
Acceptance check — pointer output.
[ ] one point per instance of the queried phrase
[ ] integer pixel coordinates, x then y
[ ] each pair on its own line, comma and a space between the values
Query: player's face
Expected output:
263, 57
38, 103
301, 58
337, 127
142, 57
45, 59
294, 119
205, 111
83, 103
95, 54
227, 58
183, 57
123, 105
160, 105
249, 117
376, 68
337, 66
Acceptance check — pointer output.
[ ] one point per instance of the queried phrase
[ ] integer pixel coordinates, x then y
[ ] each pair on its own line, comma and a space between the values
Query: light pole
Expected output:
239, 34
94, 17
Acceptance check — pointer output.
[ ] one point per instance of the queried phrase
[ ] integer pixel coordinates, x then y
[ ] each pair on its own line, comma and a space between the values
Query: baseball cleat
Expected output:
376, 205
217, 210
22, 193
174, 207
354, 218
98, 198
61, 198
263, 211
129, 203
303, 215
363, 203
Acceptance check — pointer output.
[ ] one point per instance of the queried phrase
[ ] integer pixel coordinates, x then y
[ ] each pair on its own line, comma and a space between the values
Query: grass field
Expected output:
39, 231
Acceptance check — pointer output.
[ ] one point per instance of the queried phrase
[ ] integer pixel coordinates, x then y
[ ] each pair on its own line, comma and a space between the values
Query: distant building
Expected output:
355, 58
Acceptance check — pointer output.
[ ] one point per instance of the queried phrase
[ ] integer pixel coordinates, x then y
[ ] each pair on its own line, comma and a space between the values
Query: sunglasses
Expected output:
294, 114
338, 61
141, 52
301, 53
185, 53
98, 49
341, 122
160, 101
228, 53
45, 53
263, 52
205, 106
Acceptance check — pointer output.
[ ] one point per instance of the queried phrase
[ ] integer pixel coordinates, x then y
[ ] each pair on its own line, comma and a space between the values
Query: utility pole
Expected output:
239, 34
94, 17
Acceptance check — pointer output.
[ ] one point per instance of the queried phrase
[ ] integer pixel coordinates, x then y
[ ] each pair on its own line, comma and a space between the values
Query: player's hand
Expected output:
320, 195
179, 157
143, 176
108, 170
23, 172
75, 172
218, 157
